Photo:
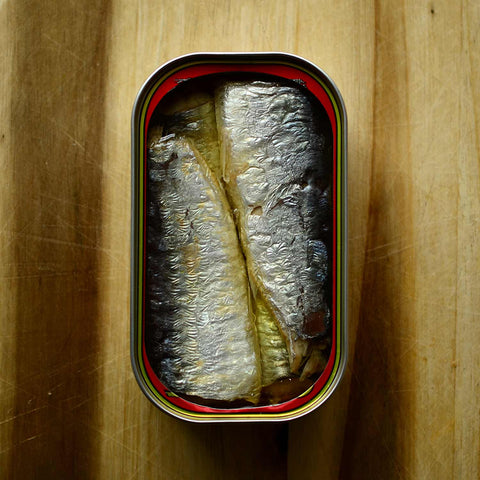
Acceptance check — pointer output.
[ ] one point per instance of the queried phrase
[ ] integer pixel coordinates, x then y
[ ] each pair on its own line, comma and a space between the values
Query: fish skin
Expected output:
202, 335
198, 125
277, 178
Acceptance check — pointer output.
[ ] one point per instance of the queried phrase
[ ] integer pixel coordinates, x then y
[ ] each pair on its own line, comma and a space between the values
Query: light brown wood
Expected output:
409, 404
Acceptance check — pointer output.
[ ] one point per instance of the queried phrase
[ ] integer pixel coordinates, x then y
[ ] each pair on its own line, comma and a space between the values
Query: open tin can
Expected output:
238, 301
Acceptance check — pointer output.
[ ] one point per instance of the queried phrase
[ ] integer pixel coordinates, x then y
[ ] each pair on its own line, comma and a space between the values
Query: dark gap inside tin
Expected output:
190, 94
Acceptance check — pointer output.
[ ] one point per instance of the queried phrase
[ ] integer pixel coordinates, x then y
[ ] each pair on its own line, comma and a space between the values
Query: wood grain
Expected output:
409, 404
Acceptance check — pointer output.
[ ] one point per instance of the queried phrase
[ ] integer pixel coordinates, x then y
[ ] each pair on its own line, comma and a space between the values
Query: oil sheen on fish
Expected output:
203, 336
277, 178
273, 352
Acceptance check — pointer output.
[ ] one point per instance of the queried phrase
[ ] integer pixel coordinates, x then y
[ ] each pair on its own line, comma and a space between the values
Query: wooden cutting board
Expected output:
409, 405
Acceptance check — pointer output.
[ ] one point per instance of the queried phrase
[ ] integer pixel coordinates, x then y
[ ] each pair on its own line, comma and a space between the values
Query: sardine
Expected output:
277, 175
202, 340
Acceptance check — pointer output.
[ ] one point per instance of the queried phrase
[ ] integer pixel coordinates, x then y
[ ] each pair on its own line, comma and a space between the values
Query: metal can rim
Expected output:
241, 57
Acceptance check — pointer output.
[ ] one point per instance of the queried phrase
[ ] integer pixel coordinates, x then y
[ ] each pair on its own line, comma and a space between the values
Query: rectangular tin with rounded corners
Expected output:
164, 80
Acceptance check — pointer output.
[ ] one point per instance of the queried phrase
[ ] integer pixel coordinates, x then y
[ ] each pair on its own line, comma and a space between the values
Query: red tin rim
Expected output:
282, 71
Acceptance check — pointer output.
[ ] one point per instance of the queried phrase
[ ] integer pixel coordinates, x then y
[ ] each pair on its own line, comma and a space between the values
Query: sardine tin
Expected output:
160, 83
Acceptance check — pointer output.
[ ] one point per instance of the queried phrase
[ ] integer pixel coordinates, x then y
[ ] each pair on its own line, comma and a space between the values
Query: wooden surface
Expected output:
409, 405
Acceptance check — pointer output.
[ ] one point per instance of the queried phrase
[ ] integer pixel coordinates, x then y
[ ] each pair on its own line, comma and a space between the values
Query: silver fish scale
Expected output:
275, 163
201, 346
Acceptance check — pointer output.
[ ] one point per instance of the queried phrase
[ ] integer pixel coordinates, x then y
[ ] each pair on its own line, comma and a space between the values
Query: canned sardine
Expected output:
238, 237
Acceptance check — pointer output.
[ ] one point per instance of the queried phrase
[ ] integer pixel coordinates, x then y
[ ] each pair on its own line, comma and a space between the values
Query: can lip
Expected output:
273, 57
170, 64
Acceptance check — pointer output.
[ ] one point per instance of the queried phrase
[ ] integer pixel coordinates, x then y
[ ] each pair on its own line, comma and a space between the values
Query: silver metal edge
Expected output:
138, 103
